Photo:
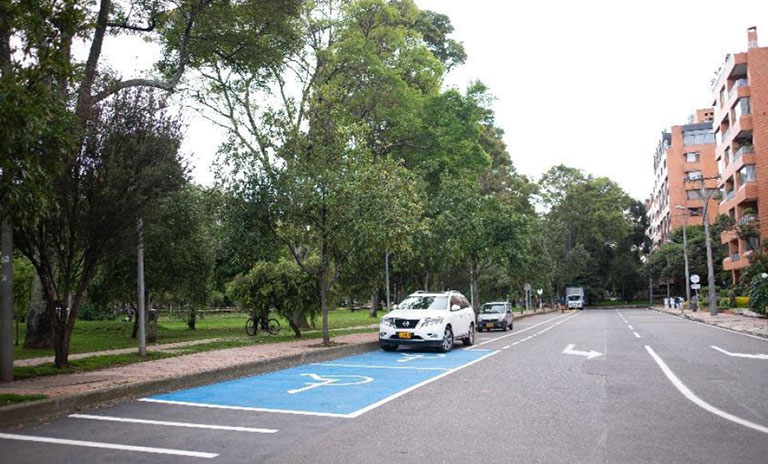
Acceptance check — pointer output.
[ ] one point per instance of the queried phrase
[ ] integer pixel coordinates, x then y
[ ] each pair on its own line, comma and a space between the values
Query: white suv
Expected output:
428, 319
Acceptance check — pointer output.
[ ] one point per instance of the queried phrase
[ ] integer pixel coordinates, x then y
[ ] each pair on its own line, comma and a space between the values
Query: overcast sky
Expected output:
590, 84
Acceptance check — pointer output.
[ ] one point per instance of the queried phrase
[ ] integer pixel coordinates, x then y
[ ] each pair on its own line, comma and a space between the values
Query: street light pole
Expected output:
685, 256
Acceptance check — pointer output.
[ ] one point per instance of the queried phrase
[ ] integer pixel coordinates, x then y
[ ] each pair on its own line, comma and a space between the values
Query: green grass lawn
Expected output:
12, 398
102, 362
90, 336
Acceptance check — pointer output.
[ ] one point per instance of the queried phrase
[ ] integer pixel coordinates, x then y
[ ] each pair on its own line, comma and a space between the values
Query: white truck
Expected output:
574, 297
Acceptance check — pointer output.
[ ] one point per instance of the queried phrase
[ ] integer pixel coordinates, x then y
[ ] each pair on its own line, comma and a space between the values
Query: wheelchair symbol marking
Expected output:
331, 381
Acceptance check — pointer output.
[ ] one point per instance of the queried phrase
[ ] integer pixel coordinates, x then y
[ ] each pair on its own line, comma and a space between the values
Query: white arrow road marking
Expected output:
331, 381
589, 354
411, 357
741, 355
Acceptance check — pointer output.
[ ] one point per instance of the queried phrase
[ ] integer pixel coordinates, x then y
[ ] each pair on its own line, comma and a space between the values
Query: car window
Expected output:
455, 300
424, 302
464, 303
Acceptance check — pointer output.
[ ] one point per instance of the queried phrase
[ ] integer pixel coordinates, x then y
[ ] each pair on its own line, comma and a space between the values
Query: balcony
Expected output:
746, 192
734, 92
728, 236
740, 261
744, 150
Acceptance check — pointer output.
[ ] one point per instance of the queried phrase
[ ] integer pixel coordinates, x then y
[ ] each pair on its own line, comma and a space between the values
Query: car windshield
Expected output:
492, 309
424, 302
574, 297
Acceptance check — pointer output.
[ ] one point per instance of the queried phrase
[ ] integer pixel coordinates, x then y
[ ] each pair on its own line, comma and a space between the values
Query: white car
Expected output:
495, 315
430, 320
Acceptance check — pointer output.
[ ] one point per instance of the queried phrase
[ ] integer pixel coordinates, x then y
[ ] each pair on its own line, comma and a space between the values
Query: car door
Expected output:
467, 315
457, 322
509, 315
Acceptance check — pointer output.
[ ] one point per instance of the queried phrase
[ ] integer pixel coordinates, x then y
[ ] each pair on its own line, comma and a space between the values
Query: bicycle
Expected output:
255, 322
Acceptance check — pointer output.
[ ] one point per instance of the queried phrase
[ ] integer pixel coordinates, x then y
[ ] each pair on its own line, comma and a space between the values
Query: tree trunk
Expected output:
473, 271
39, 332
298, 321
135, 316
324, 291
426, 281
192, 319
375, 303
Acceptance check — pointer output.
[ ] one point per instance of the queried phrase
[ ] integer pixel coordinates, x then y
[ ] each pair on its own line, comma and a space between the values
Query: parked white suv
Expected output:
428, 319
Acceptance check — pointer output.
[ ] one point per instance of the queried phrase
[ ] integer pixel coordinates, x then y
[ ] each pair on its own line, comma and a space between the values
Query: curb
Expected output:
720, 326
46, 409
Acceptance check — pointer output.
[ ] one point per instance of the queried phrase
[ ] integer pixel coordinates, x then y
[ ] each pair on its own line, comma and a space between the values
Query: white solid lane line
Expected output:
94, 444
698, 401
741, 355
519, 331
172, 424
712, 326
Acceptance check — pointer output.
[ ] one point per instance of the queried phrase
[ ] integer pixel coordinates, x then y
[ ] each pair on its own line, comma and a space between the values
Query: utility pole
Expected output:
6, 303
705, 195
386, 264
141, 316
685, 256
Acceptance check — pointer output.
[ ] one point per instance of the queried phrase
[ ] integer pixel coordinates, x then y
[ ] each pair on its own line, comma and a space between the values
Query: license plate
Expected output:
403, 335
489, 326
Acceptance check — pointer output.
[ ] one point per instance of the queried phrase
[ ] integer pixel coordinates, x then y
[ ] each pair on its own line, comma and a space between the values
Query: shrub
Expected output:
742, 302
723, 303
91, 312
758, 294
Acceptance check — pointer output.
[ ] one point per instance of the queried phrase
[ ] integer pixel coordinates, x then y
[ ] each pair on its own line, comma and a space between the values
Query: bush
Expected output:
758, 294
723, 303
742, 302
91, 312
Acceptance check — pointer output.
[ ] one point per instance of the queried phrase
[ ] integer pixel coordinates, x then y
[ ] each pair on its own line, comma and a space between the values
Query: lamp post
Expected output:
685, 254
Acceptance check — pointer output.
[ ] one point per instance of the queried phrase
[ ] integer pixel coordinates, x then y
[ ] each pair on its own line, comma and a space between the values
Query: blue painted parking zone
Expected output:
345, 387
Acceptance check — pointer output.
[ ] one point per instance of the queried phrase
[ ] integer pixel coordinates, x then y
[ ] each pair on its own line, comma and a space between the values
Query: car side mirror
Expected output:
395, 306
455, 307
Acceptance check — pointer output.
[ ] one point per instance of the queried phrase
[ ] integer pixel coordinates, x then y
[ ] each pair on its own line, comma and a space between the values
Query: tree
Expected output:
280, 285
129, 159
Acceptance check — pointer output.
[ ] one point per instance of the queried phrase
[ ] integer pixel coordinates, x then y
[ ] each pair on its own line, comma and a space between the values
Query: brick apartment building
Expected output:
684, 154
741, 134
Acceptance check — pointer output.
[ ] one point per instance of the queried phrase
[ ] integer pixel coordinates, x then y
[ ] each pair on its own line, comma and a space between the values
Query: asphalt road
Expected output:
657, 392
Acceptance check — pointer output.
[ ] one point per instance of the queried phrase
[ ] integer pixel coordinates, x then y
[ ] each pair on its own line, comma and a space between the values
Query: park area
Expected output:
213, 330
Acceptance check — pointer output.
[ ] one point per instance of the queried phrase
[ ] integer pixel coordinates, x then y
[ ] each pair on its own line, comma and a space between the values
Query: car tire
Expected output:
505, 327
387, 347
469, 340
447, 344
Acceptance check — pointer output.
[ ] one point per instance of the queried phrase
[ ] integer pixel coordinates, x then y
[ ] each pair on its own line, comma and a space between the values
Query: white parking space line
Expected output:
172, 424
112, 446
418, 385
521, 331
242, 408
698, 401
384, 367
636, 334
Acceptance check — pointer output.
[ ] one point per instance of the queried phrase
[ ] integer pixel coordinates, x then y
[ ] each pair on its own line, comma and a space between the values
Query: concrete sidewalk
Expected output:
750, 325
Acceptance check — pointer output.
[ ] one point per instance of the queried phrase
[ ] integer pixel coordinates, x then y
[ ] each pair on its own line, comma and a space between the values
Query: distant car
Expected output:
495, 315
429, 320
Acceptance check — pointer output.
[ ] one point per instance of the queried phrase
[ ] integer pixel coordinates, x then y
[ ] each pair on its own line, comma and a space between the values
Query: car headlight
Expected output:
432, 321
388, 321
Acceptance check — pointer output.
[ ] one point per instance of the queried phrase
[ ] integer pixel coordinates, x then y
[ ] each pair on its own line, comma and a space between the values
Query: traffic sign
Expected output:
527, 287
695, 286
695, 279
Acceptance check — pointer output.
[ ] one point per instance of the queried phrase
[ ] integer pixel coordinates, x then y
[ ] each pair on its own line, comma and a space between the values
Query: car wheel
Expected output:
469, 340
387, 347
506, 326
447, 340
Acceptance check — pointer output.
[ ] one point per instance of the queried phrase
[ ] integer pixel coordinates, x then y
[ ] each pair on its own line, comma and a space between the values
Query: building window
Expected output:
741, 108
698, 137
693, 175
746, 174
693, 194
692, 157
